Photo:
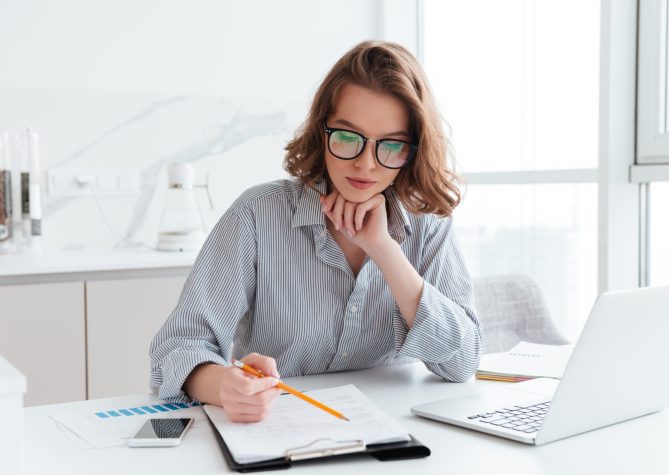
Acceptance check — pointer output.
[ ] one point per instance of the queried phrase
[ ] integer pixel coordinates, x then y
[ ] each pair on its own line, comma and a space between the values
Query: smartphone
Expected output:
160, 432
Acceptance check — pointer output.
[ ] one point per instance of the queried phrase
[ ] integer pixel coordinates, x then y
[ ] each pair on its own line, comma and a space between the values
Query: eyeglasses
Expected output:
390, 153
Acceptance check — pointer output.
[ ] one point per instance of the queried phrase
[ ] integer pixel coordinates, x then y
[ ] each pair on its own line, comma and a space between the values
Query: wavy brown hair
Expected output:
428, 184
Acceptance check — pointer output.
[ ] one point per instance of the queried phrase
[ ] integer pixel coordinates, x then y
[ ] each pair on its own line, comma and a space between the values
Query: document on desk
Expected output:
109, 428
295, 426
525, 361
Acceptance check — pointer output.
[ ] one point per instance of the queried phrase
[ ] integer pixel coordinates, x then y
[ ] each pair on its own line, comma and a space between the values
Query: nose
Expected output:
366, 160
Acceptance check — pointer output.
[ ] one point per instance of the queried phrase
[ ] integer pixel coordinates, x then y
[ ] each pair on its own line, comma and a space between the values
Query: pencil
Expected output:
257, 373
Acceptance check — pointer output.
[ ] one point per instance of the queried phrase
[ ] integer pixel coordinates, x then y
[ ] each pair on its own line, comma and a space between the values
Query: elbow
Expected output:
471, 347
466, 360
459, 368
474, 352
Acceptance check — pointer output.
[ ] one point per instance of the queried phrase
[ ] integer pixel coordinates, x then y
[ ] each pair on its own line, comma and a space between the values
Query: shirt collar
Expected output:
309, 209
309, 212
398, 219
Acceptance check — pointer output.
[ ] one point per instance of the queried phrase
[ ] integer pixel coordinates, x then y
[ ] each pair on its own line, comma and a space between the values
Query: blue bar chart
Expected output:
143, 410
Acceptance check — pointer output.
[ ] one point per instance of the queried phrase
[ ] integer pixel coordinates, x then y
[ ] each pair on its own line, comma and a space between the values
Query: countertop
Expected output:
88, 265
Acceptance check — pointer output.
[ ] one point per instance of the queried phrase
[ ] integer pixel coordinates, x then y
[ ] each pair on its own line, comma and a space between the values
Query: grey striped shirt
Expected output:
271, 279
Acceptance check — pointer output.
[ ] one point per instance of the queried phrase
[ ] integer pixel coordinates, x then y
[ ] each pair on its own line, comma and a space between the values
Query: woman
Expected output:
350, 264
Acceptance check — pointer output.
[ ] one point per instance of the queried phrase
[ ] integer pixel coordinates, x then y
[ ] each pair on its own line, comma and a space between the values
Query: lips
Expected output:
360, 183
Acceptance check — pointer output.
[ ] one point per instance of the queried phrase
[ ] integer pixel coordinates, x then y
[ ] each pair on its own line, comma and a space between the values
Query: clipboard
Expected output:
314, 451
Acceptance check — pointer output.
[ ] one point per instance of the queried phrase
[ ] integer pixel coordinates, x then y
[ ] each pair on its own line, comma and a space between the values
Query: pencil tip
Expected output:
346, 418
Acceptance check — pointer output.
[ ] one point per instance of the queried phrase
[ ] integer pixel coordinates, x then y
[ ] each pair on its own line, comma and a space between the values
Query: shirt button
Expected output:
344, 354
354, 308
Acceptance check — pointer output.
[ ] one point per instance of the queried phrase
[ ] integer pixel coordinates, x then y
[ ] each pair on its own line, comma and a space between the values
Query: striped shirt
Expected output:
272, 280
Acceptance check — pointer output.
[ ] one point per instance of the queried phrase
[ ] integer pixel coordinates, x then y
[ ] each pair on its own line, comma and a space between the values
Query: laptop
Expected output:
616, 372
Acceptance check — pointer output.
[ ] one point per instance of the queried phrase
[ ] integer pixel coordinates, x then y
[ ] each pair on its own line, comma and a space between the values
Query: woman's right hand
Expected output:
244, 397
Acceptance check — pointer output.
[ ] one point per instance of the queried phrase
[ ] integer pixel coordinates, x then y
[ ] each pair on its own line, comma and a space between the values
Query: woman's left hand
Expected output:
366, 223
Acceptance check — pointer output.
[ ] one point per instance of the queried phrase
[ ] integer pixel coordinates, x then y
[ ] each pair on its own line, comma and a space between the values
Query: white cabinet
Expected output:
12, 388
122, 317
42, 334
85, 339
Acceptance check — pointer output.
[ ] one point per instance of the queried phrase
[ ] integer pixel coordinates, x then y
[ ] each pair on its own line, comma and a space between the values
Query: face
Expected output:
376, 116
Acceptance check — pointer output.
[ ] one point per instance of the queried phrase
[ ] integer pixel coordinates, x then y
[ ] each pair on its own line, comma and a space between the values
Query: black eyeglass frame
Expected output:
412, 153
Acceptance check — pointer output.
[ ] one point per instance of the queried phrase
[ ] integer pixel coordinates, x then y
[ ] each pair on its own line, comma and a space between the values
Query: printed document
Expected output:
296, 426
526, 361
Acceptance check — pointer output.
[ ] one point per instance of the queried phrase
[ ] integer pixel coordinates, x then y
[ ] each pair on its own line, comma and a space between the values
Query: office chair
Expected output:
511, 309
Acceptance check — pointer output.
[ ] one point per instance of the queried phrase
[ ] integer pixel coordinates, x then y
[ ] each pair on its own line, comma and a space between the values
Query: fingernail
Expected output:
337, 226
350, 234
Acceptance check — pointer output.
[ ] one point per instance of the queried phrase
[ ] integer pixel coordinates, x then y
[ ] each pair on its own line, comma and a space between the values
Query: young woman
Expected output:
350, 264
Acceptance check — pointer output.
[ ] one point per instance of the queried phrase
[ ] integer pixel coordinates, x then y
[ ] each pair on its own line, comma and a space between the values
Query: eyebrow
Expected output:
353, 126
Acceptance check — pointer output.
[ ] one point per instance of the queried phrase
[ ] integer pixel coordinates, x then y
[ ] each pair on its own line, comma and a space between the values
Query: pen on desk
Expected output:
256, 372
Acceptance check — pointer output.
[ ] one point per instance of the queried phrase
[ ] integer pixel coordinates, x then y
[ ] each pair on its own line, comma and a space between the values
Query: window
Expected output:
518, 85
519, 92
547, 231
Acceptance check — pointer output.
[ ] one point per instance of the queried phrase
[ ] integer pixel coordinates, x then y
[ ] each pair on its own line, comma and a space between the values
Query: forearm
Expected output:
203, 383
405, 283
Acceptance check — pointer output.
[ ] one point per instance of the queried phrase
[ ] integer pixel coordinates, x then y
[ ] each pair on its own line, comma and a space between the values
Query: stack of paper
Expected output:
294, 426
525, 361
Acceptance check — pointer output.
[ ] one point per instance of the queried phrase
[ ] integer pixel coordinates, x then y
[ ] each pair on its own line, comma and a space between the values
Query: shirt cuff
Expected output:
176, 368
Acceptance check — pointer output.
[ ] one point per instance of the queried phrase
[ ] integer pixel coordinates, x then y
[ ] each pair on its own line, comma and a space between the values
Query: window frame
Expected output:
653, 123
652, 154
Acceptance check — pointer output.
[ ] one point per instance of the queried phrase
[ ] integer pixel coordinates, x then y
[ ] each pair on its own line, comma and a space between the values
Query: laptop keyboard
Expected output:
524, 419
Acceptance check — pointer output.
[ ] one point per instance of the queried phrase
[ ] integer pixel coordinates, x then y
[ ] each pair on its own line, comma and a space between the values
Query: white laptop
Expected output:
616, 372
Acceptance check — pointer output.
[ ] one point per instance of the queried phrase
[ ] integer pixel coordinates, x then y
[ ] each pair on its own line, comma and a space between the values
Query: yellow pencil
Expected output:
288, 389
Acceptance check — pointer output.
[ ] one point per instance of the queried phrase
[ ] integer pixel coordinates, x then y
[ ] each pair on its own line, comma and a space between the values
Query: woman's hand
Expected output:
244, 397
366, 223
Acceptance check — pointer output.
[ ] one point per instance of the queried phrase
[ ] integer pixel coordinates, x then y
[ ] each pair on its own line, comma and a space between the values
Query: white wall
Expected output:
127, 85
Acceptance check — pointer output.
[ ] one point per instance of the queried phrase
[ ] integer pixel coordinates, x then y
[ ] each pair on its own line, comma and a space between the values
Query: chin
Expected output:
356, 196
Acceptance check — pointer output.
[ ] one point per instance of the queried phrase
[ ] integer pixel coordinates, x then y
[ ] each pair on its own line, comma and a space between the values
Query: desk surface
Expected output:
637, 446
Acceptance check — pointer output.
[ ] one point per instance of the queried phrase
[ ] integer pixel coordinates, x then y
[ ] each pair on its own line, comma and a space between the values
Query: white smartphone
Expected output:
166, 432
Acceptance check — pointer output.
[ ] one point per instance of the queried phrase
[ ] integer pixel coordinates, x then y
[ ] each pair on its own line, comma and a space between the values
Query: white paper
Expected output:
85, 429
528, 359
294, 424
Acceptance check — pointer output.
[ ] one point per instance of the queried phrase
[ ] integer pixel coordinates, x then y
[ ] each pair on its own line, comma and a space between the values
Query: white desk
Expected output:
640, 446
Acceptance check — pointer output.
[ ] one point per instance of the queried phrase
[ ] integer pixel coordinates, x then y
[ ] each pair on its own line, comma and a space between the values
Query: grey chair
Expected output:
511, 309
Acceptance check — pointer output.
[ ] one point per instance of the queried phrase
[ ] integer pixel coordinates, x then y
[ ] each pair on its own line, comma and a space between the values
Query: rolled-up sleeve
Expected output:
446, 334
217, 294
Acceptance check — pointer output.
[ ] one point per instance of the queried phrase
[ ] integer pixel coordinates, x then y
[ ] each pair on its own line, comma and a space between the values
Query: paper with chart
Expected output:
112, 427
295, 424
